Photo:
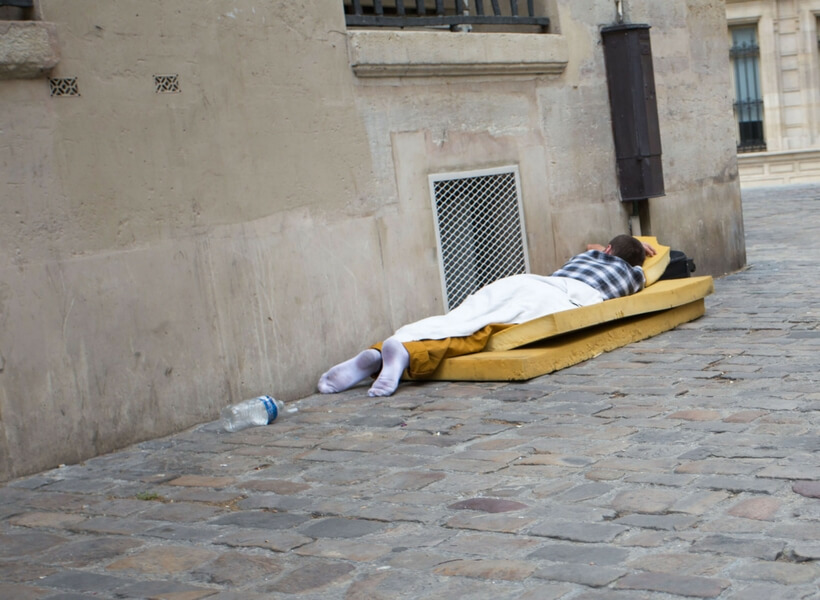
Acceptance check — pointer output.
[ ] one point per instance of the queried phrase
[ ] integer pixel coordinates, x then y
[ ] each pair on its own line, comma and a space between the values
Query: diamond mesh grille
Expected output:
166, 84
480, 229
64, 86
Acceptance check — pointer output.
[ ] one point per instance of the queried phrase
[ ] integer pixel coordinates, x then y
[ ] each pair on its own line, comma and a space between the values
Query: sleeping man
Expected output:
417, 349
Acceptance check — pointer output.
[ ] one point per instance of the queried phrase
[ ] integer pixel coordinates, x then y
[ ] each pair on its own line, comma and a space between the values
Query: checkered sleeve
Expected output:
610, 275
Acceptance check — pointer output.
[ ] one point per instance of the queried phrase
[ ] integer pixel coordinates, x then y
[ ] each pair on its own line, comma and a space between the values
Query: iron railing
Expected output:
455, 14
749, 116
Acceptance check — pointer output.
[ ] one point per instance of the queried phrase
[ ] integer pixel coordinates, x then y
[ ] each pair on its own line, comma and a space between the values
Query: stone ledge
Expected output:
447, 54
783, 167
28, 49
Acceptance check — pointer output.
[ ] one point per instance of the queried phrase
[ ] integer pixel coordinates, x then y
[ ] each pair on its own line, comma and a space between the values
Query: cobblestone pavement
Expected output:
687, 465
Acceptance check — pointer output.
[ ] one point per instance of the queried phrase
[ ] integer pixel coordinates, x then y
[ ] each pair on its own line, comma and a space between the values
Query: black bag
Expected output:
679, 266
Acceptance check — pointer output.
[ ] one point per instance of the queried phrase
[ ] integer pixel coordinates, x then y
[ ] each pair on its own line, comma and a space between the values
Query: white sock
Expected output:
395, 359
347, 374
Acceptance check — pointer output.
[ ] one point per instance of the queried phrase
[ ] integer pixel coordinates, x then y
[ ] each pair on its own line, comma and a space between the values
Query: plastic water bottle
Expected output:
253, 412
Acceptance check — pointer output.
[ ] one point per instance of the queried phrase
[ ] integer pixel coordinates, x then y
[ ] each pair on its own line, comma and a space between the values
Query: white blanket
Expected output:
514, 299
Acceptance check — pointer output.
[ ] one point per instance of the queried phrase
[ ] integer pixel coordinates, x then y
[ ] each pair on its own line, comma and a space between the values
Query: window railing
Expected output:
749, 116
453, 14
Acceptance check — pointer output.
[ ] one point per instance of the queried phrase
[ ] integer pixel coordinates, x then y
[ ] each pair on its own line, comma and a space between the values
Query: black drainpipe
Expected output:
634, 109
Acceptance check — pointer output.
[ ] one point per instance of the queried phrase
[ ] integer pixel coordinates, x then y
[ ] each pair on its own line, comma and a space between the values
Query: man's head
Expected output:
628, 248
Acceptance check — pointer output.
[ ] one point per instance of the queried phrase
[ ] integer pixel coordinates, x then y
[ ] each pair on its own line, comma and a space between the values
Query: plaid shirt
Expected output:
610, 275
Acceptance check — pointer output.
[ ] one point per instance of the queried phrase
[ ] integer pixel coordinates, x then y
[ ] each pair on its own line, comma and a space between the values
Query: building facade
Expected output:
776, 87
206, 201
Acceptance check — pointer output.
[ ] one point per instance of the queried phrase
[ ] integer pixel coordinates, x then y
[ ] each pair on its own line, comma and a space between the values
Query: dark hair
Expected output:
628, 248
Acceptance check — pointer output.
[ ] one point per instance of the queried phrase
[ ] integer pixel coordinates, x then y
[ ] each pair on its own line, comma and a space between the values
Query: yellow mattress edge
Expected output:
659, 296
558, 353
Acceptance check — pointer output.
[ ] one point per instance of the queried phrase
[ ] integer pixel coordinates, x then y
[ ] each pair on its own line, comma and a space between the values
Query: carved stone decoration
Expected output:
28, 49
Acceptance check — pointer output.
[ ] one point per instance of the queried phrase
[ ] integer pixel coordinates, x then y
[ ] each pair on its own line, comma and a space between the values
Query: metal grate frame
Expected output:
479, 229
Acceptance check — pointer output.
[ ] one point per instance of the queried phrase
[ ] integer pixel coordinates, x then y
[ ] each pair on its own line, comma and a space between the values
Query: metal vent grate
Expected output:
166, 84
64, 86
479, 229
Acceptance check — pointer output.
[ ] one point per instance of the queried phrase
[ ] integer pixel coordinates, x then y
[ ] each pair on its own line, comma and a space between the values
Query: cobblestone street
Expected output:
683, 466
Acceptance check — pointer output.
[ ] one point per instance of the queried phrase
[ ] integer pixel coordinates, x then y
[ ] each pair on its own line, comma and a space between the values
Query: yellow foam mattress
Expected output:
654, 266
566, 338
563, 351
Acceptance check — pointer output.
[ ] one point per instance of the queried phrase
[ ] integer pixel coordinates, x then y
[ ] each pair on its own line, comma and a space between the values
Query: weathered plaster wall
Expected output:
164, 254
701, 213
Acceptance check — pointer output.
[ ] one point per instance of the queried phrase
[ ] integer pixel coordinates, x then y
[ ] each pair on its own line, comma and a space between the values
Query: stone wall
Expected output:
225, 208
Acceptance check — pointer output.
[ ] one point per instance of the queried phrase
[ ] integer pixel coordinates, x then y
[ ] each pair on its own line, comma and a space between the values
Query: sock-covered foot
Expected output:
395, 359
347, 374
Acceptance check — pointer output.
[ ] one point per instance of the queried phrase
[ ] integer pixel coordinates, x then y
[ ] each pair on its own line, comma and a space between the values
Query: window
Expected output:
458, 15
16, 10
410, 38
745, 55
